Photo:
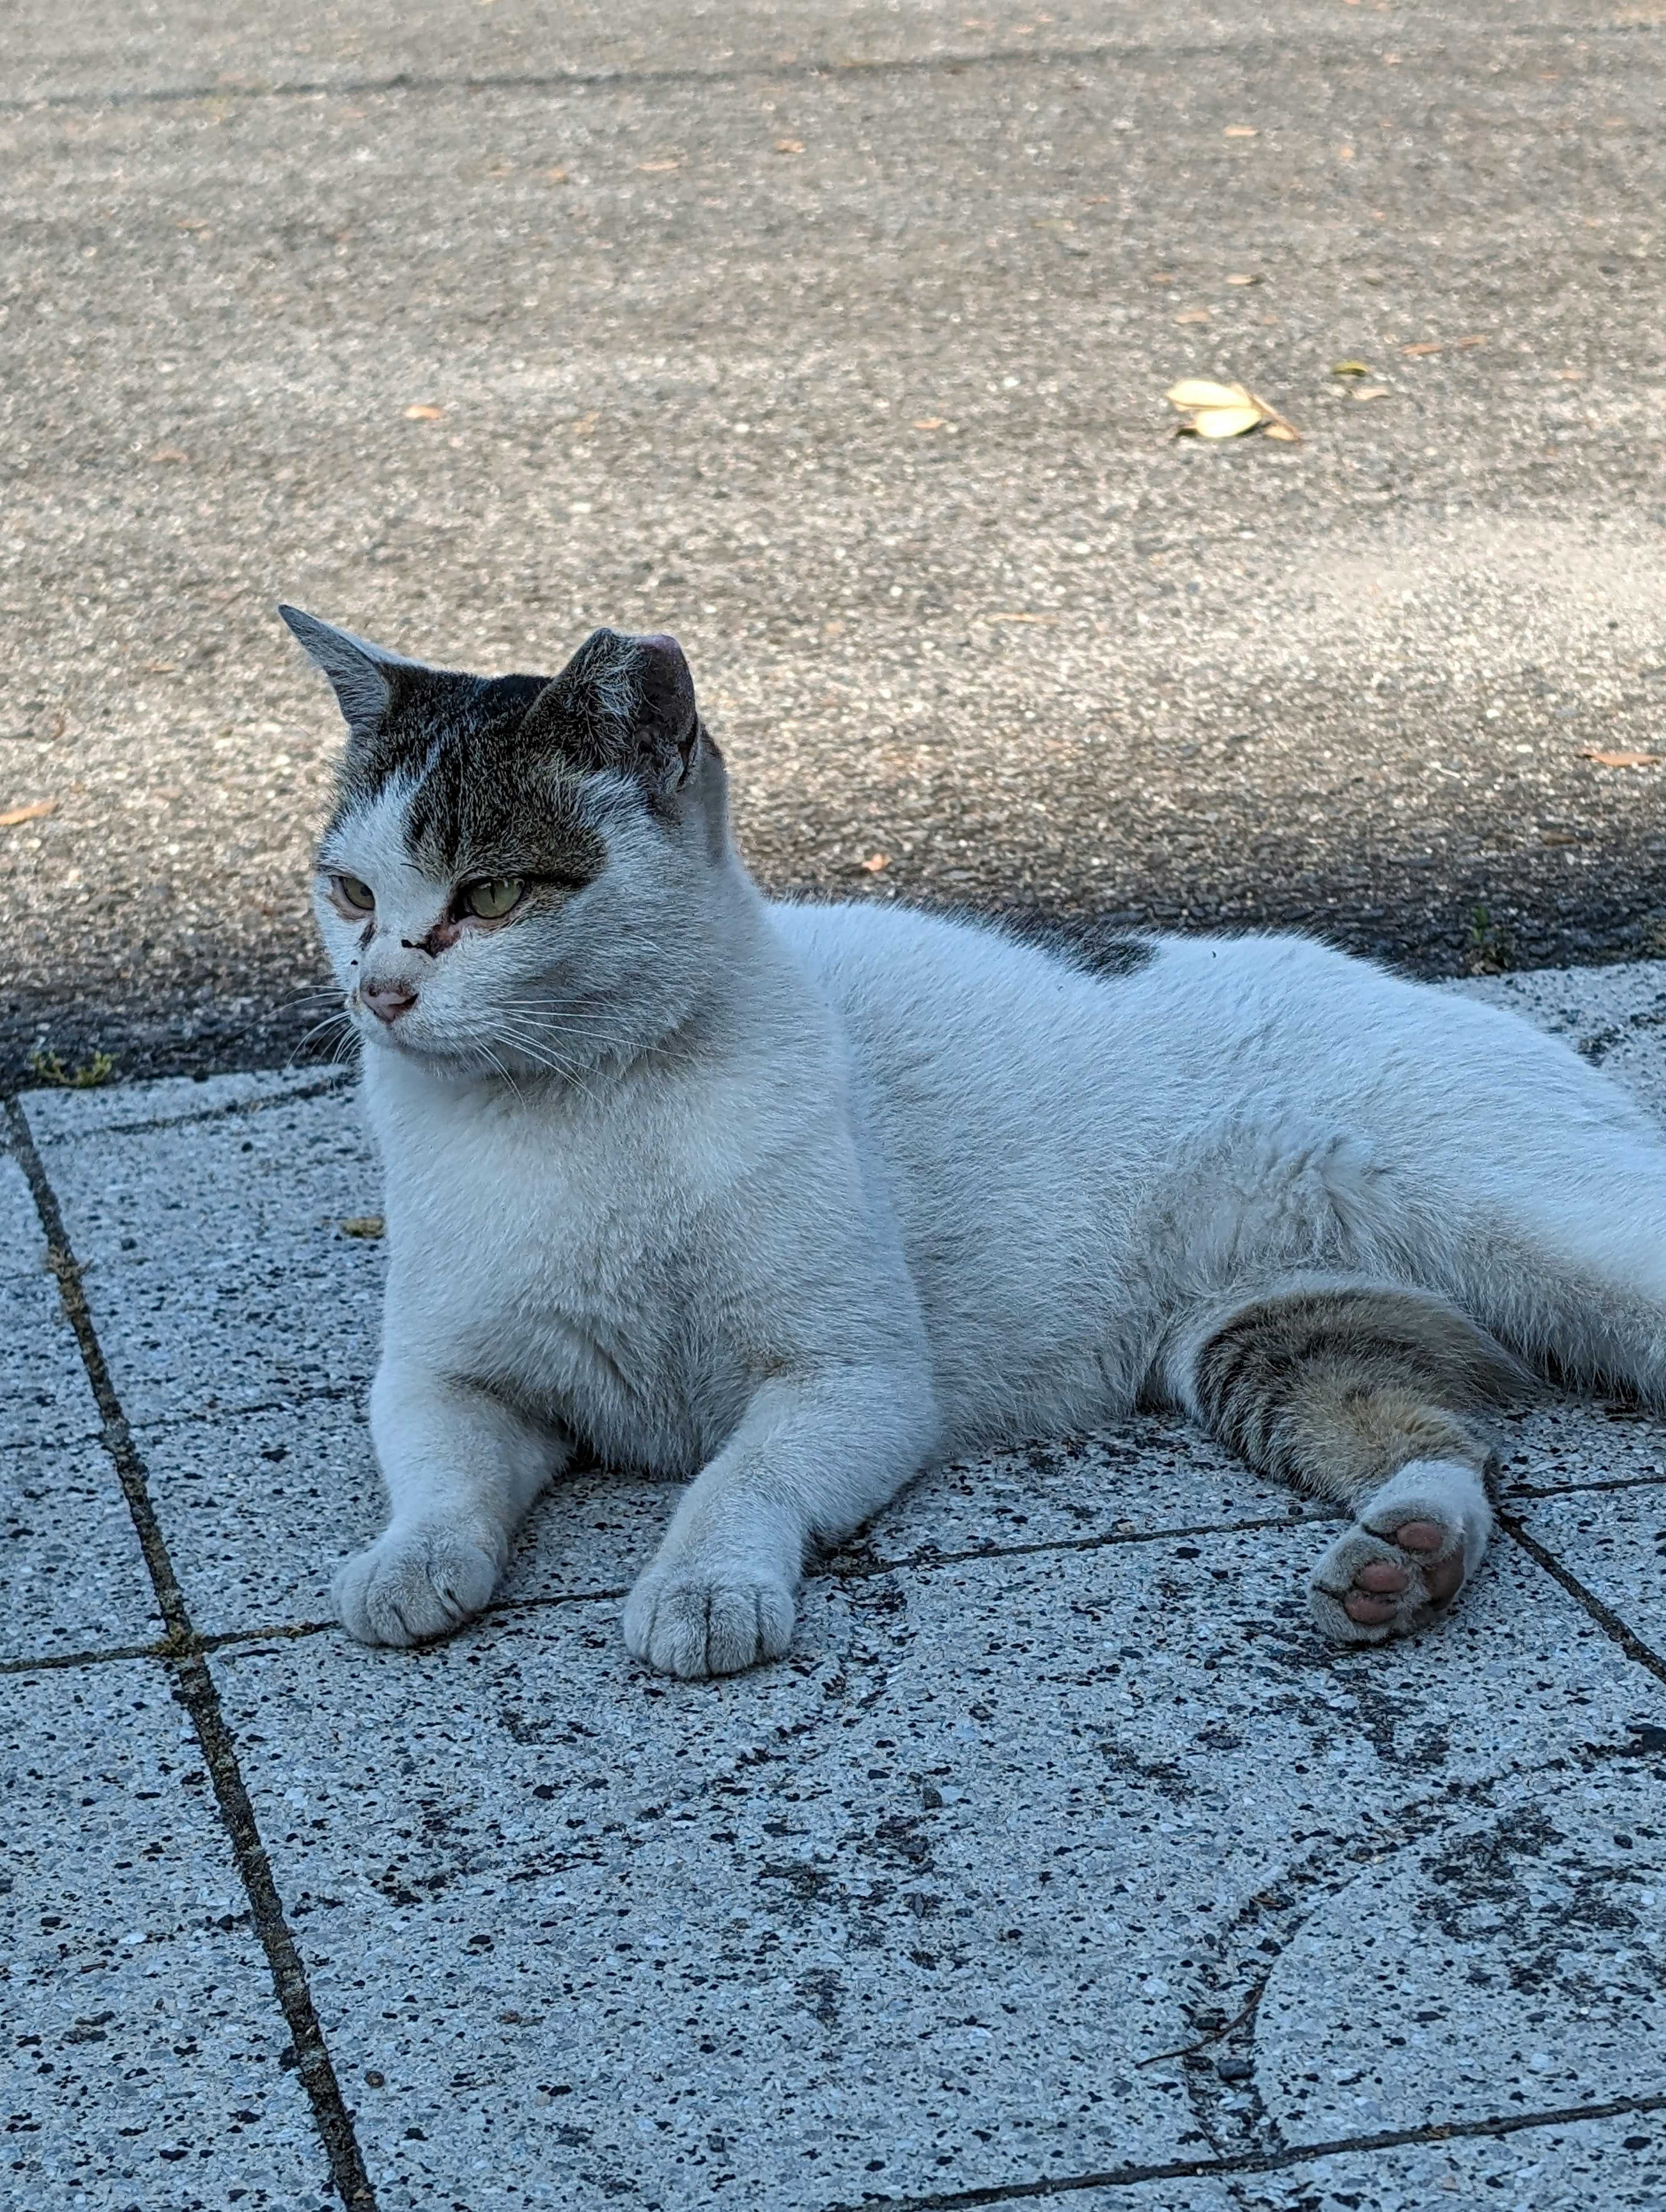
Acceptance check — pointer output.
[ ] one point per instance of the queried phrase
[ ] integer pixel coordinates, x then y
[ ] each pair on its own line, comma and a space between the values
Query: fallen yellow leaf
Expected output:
789, 146
1198, 391
1193, 315
1224, 421
658, 169
421, 414
929, 422
1242, 130
1350, 369
1620, 760
1225, 410
363, 1224
16, 814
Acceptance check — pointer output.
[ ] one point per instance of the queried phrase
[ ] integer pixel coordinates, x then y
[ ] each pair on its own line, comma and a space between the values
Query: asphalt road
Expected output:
833, 339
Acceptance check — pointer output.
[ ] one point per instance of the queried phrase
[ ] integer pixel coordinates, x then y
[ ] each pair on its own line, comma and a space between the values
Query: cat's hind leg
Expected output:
1369, 1394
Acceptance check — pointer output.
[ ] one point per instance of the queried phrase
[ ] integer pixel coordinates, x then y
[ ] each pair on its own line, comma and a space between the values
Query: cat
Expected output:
796, 1199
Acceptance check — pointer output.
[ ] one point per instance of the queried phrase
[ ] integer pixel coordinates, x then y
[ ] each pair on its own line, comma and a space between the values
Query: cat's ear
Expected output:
364, 677
623, 702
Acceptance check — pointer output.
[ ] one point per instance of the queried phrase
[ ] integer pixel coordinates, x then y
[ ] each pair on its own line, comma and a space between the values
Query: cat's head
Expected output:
521, 873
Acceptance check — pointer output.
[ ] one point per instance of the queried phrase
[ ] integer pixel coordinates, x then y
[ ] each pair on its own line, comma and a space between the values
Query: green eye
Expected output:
356, 894
494, 898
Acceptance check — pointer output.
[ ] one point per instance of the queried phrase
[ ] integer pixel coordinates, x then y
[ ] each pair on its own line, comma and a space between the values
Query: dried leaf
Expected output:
1620, 760
421, 413
363, 1224
1198, 391
1350, 369
169, 453
658, 168
1256, 278
1242, 130
13, 815
929, 422
1427, 345
1224, 421
1193, 315
789, 146
1463, 345
1370, 391
556, 176
879, 861
1225, 410
1021, 618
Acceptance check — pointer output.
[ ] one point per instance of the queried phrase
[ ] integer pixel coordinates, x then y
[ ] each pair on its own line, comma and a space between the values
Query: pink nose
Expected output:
387, 1001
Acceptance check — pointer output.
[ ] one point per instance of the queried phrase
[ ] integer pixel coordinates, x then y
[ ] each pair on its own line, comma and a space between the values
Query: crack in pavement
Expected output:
628, 78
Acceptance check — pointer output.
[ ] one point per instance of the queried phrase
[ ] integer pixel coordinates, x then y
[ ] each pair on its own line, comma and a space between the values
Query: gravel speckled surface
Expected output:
833, 339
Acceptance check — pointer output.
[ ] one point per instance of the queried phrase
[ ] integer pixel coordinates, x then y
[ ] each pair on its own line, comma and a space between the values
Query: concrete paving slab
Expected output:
261, 1507
1580, 2166
144, 2051
215, 1265
1615, 1016
1581, 1444
1153, 1471
936, 1894
1509, 1962
75, 1577
1614, 1540
46, 1399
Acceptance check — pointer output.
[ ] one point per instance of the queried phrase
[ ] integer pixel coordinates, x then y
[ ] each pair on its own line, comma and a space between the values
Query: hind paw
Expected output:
1414, 1545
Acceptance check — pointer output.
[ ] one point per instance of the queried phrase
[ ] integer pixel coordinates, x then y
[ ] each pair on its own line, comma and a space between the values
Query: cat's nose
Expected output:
387, 1001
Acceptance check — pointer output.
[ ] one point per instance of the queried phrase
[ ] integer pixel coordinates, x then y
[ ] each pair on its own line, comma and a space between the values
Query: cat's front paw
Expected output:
417, 1581
695, 1621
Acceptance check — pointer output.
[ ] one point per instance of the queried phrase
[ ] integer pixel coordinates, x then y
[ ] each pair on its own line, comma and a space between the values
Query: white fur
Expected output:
796, 1200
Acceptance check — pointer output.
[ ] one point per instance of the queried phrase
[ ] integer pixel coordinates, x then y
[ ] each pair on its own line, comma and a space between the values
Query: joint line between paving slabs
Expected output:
1605, 1617
225, 1110
183, 1652
1254, 2162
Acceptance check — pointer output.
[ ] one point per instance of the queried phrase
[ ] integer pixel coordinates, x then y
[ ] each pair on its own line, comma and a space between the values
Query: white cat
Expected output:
797, 1200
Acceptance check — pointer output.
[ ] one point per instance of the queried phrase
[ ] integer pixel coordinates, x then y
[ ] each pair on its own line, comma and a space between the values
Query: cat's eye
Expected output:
491, 900
355, 893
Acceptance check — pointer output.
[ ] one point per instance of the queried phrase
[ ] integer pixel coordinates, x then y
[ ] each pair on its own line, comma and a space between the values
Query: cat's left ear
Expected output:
364, 677
623, 702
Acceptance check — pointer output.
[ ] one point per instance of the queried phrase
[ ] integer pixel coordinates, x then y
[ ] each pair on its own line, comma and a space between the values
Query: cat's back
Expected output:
970, 1016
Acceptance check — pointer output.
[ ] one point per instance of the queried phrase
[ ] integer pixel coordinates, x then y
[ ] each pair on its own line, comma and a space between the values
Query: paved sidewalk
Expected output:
1060, 1860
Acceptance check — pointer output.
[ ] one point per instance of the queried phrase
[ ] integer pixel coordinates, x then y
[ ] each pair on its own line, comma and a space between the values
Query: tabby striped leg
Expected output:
1365, 1392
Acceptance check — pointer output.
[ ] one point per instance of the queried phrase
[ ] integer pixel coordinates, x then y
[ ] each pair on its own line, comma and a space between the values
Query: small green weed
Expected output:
50, 1068
1491, 950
